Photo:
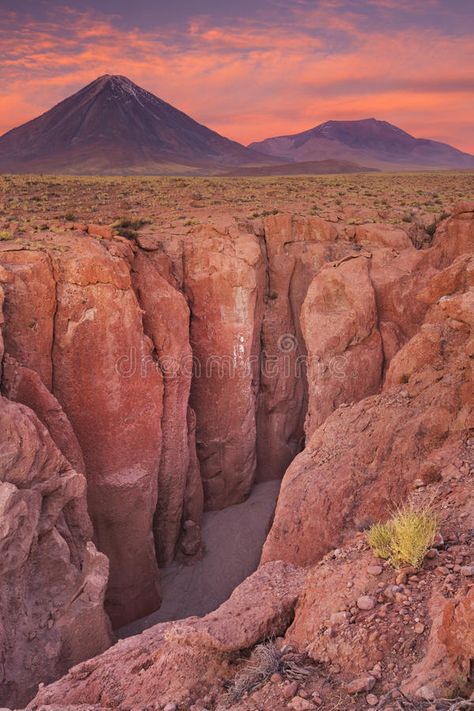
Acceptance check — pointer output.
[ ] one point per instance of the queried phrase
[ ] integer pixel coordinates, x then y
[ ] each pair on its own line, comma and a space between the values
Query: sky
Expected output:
251, 69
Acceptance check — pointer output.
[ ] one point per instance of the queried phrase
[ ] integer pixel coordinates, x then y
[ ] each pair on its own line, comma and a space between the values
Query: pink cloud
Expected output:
254, 79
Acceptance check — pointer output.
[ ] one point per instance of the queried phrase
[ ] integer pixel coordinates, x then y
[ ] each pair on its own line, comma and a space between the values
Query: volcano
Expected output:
113, 126
370, 142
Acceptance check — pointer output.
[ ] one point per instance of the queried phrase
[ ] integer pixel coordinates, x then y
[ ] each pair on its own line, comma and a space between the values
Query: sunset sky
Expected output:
252, 68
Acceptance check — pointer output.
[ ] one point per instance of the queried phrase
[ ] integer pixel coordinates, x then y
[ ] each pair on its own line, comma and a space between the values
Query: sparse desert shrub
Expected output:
126, 232
265, 660
130, 223
5, 235
406, 537
70, 217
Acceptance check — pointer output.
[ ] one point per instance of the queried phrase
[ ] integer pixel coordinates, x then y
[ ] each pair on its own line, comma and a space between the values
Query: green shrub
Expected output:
379, 537
406, 537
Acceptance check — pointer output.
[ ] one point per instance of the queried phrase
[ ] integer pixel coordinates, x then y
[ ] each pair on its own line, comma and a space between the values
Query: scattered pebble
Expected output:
290, 690
365, 602
363, 683
374, 569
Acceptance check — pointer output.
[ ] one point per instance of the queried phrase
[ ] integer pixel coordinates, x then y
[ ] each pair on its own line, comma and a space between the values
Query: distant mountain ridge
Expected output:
114, 126
370, 142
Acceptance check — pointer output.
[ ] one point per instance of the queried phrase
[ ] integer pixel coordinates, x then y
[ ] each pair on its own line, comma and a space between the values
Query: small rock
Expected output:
170, 707
401, 578
467, 570
407, 570
432, 553
374, 569
426, 693
376, 671
419, 628
191, 538
365, 602
338, 618
276, 678
299, 704
363, 683
372, 700
290, 690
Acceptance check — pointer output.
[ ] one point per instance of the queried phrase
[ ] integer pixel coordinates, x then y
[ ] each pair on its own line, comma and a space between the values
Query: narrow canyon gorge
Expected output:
156, 390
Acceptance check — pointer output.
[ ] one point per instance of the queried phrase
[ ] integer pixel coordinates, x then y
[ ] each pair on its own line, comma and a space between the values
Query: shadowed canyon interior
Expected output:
182, 377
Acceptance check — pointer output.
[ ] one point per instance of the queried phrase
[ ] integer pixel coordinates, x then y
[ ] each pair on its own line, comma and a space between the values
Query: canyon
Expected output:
154, 376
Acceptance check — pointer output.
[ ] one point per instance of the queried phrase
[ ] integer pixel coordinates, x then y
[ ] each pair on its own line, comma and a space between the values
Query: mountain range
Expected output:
373, 143
113, 126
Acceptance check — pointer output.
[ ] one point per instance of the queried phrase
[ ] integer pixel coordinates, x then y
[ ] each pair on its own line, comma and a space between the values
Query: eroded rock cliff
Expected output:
172, 372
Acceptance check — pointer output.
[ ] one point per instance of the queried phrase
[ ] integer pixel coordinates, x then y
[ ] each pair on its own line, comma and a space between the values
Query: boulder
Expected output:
340, 327
382, 235
53, 578
177, 661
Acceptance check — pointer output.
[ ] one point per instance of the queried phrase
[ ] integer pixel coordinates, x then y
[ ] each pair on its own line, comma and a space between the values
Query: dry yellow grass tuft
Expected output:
406, 537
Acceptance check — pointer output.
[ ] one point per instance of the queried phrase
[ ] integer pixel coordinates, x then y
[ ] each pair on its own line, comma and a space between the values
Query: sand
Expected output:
233, 539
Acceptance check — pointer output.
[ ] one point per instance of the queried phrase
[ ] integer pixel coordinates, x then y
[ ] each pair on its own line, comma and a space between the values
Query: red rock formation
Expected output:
296, 249
340, 327
30, 305
71, 315
173, 662
365, 457
53, 578
446, 666
223, 276
24, 385
166, 322
456, 235
457, 631
382, 235
193, 504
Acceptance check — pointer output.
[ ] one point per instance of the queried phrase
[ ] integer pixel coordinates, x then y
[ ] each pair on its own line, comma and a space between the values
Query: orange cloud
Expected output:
256, 78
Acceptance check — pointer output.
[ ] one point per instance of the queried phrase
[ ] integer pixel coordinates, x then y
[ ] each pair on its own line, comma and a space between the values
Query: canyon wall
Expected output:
53, 578
365, 450
400, 428
172, 372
